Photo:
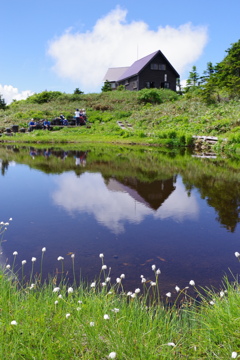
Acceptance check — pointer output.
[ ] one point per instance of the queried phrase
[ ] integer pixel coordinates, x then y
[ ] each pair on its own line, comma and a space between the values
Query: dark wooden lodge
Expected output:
151, 71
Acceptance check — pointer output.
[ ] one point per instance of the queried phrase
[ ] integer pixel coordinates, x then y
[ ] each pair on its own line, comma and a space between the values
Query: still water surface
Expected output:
88, 202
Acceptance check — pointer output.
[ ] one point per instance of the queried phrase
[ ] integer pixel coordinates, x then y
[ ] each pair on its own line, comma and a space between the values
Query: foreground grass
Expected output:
52, 320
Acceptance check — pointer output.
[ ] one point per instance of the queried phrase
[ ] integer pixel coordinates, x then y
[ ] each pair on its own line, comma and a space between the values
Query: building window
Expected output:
147, 84
126, 82
162, 67
165, 77
134, 84
166, 85
113, 85
154, 66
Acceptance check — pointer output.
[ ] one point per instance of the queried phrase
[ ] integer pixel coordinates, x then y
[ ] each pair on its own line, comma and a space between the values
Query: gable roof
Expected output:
138, 65
114, 73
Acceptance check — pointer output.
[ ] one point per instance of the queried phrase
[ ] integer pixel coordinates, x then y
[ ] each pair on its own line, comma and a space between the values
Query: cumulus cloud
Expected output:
9, 93
85, 57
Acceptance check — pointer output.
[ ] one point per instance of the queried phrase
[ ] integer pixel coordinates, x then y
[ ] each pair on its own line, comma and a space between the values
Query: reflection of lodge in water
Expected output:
151, 194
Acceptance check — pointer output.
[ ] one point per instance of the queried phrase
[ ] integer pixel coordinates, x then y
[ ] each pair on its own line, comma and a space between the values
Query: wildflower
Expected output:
234, 355
32, 286
192, 282
108, 279
33, 259
101, 255
133, 295
143, 280
10, 219
60, 296
118, 280
92, 323
158, 271
93, 284
122, 276
67, 315
103, 284
56, 289
6, 224
129, 293
56, 302
177, 288
104, 267
14, 322
115, 310
137, 291
211, 302
237, 254
79, 301
70, 290
153, 267
24, 262
171, 344
8, 266
109, 293
78, 308
73, 256
222, 293
112, 355
60, 258
168, 294
44, 249
152, 283
106, 317
15, 253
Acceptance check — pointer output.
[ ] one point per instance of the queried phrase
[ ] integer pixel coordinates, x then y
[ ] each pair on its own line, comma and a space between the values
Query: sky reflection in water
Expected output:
134, 223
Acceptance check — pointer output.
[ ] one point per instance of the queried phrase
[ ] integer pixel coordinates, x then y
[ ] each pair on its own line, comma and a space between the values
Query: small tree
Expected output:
78, 91
3, 104
107, 86
193, 79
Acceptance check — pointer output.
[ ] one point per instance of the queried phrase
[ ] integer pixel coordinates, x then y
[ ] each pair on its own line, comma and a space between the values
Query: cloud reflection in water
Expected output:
89, 193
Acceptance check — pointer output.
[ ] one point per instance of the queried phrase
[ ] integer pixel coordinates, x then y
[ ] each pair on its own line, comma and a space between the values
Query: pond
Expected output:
138, 206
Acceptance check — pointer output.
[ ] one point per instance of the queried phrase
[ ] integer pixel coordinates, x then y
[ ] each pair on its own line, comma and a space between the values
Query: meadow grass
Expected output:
52, 319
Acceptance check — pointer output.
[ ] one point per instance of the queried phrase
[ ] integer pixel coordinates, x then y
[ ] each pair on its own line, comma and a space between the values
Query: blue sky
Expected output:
61, 45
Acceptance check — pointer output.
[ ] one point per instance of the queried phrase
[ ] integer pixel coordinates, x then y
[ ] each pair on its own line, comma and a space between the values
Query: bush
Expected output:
43, 97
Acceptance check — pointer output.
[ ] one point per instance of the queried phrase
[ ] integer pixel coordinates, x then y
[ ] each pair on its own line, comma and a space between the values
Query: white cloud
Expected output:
9, 93
85, 57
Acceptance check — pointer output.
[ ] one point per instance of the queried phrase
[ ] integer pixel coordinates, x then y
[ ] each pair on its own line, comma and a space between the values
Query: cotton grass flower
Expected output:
24, 262
115, 310
137, 291
15, 253
103, 284
56, 289
177, 288
118, 280
152, 283
158, 271
56, 302
73, 256
44, 249
8, 266
168, 294
112, 355
122, 276
237, 254
153, 267
222, 293
33, 259
106, 317
60, 296
108, 279
143, 280
93, 284
60, 258
104, 267
92, 323
192, 282
14, 322
101, 256
129, 293
68, 315
171, 344
70, 290
234, 355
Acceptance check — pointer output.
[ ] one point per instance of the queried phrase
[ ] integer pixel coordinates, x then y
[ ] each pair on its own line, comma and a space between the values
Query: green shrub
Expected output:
43, 97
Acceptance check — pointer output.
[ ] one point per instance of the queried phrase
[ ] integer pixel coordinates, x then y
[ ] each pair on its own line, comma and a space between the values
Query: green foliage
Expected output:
106, 87
3, 104
121, 88
78, 91
149, 96
43, 97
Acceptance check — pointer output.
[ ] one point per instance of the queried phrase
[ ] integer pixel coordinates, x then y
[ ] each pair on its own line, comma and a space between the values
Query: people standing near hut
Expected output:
77, 117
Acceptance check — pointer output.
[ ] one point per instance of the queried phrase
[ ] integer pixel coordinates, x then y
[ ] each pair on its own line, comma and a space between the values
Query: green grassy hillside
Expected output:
148, 117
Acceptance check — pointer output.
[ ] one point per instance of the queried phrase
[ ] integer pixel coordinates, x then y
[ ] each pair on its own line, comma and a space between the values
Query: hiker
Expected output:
77, 117
46, 125
31, 125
